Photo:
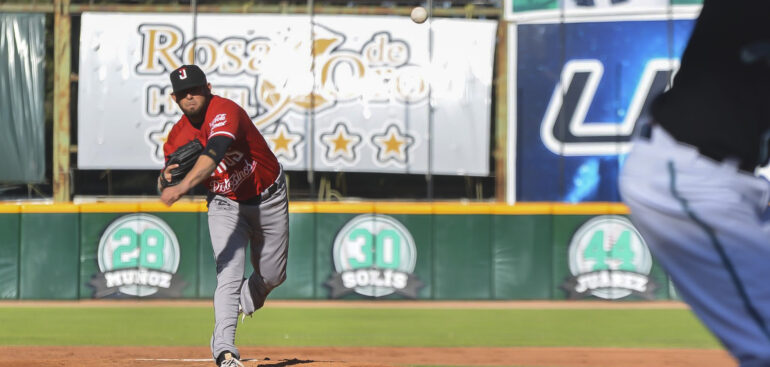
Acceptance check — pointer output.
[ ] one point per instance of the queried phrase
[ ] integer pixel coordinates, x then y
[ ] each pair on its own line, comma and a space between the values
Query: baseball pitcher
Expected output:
216, 144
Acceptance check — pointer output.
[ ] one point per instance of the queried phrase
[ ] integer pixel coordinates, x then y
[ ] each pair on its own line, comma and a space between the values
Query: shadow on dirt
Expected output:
285, 362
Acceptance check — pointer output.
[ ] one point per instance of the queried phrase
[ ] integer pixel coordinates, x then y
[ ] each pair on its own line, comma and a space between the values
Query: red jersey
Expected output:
248, 167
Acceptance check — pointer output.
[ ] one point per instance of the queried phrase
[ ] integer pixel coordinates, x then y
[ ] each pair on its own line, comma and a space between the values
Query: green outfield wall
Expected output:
437, 251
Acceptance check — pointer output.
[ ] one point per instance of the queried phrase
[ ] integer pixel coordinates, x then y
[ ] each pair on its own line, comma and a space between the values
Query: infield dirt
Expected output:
364, 357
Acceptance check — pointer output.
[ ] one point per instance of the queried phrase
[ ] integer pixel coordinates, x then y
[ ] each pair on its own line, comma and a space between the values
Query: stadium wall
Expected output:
432, 251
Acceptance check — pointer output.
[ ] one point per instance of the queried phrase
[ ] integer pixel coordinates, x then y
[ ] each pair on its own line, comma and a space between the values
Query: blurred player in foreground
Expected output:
689, 179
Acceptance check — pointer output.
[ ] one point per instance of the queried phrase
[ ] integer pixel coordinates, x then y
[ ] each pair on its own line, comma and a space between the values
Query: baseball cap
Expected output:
187, 76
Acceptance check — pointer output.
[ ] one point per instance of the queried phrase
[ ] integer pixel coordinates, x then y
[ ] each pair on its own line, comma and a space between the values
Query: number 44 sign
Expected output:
609, 259
138, 255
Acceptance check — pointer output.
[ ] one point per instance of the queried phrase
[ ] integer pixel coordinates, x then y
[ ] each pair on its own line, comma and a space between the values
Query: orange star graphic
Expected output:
281, 142
340, 143
393, 144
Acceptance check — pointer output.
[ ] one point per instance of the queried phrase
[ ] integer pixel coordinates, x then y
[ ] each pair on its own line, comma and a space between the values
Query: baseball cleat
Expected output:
229, 360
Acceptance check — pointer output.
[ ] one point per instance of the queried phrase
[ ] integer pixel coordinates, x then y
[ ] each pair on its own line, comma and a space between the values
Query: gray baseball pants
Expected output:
702, 221
233, 225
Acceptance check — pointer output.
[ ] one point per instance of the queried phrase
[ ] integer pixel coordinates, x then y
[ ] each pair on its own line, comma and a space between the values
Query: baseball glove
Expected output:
185, 156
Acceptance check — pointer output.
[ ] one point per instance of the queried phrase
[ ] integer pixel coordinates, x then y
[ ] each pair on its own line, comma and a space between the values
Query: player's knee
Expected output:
274, 280
228, 284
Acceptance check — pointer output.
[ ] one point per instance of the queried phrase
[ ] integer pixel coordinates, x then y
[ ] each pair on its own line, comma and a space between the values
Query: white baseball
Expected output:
419, 14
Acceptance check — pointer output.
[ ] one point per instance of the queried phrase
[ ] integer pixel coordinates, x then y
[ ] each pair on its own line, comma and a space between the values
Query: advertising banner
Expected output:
582, 89
349, 93
529, 9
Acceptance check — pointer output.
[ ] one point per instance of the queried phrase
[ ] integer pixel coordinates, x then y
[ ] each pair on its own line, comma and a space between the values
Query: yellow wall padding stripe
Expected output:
590, 208
462, 208
302, 207
344, 207
523, 208
177, 207
50, 208
385, 207
109, 208
403, 208
10, 208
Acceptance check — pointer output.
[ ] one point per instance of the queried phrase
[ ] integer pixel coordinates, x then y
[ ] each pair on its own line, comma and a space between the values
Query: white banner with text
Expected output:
350, 93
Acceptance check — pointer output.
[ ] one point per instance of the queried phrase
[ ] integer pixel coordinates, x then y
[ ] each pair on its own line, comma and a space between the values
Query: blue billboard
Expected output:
581, 90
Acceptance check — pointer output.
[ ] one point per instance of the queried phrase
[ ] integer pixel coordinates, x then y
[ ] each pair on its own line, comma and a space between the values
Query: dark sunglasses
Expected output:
195, 91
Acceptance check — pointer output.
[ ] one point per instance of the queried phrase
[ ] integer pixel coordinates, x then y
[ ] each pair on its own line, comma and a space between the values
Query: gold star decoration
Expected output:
280, 142
284, 142
156, 139
341, 144
393, 145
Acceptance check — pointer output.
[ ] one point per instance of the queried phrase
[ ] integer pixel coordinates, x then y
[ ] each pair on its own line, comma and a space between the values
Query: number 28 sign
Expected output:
138, 255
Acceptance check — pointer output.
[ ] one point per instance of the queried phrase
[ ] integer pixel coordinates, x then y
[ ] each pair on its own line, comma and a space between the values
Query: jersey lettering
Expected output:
235, 179
219, 120
231, 158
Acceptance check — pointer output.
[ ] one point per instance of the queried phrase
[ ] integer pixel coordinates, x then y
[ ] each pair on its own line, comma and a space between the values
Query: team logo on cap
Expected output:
138, 255
609, 259
182, 73
374, 255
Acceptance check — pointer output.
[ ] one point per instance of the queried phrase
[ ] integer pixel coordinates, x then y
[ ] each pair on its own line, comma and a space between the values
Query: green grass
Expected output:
180, 326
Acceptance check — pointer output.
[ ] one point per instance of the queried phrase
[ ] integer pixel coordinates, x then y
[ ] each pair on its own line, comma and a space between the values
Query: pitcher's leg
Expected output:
229, 235
707, 239
269, 249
